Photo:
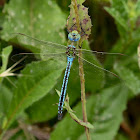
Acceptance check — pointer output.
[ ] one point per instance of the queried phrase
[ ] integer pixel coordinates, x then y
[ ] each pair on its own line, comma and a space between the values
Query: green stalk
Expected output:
83, 99
81, 72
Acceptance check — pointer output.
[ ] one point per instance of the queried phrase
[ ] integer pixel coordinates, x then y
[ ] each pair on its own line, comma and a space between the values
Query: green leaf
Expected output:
118, 17
136, 35
37, 80
5, 100
2, 17
84, 19
80, 1
41, 19
126, 15
131, 80
38, 112
137, 7
108, 112
103, 110
119, 13
121, 137
5, 56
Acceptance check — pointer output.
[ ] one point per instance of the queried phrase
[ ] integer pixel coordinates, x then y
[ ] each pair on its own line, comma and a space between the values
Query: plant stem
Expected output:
77, 16
81, 71
83, 99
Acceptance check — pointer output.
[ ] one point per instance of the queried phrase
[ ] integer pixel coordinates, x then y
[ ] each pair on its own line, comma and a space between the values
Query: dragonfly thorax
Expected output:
74, 36
71, 51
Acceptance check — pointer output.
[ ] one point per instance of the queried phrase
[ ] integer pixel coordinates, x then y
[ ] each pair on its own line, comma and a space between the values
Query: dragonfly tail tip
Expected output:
60, 115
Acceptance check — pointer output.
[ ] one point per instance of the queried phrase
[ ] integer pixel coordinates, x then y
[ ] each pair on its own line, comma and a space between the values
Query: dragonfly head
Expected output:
74, 36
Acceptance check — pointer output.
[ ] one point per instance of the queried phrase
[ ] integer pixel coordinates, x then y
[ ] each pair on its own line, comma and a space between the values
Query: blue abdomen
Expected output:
64, 87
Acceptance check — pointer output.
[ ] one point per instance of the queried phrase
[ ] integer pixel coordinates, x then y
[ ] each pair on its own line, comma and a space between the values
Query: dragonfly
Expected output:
50, 50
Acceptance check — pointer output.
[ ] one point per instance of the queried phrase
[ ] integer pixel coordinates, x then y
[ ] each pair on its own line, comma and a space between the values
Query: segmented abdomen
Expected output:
64, 88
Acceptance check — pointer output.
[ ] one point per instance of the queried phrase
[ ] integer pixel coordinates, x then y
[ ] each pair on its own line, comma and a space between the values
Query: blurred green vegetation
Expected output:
28, 107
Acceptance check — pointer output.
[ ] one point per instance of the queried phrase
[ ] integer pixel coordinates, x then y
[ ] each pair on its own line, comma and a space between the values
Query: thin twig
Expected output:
83, 99
128, 131
11, 133
81, 72
139, 55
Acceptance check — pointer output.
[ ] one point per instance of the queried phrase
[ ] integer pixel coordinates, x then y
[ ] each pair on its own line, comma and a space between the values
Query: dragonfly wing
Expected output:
97, 71
48, 50
105, 58
43, 45
38, 57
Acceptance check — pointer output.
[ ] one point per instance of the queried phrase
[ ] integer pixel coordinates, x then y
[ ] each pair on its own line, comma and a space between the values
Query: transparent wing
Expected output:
45, 46
61, 56
47, 50
98, 68
105, 58
95, 64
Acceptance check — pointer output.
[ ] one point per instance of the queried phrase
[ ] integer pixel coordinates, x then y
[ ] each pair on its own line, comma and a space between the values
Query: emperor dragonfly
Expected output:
71, 52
